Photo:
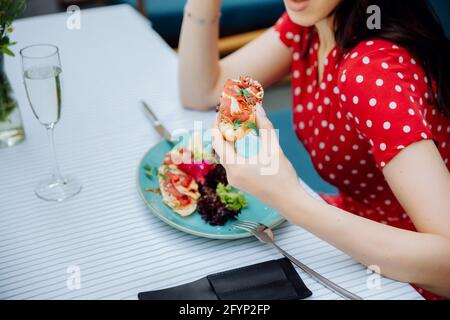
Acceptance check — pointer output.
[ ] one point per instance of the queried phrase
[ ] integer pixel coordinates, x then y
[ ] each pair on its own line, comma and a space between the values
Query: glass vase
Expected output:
11, 127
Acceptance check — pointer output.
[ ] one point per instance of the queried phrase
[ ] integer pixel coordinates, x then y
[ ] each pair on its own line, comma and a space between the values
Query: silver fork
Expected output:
265, 235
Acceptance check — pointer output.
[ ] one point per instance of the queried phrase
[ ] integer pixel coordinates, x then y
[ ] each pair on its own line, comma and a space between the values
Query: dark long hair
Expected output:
412, 25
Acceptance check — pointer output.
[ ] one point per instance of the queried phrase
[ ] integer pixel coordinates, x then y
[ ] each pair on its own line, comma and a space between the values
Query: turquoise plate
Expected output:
194, 224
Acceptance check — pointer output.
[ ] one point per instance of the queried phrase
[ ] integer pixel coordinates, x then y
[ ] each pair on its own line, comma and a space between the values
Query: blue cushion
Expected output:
167, 15
297, 153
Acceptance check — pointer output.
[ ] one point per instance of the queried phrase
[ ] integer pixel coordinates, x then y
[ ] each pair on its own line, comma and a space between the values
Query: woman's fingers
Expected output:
268, 136
261, 118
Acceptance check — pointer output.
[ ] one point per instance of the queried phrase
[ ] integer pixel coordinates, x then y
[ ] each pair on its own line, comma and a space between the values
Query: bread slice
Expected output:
169, 191
237, 107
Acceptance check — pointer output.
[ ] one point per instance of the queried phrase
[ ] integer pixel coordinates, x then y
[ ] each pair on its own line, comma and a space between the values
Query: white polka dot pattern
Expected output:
390, 109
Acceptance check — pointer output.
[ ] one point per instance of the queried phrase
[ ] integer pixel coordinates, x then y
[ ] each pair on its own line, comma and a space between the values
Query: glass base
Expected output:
54, 190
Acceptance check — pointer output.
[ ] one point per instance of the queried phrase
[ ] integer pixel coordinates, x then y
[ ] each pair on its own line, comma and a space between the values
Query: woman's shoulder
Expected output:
383, 90
378, 62
375, 53
371, 46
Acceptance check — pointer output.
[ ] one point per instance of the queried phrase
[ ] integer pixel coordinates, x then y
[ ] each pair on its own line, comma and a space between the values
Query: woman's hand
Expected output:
269, 176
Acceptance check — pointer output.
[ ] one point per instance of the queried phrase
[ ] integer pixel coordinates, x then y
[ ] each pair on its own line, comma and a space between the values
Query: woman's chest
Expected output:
339, 152
335, 146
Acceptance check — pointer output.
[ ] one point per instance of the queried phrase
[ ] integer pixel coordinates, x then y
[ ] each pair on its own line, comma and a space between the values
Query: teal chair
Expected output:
166, 16
297, 153
442, 9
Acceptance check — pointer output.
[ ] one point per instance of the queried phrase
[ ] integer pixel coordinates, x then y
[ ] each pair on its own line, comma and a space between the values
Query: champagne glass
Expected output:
42, 73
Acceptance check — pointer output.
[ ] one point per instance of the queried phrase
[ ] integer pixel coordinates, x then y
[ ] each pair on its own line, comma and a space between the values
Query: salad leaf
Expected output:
231, 198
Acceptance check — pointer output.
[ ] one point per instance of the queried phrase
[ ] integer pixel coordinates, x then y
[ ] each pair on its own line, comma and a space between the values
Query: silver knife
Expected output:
163, 132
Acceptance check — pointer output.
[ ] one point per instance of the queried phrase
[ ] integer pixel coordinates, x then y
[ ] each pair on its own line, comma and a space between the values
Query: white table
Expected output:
107, 232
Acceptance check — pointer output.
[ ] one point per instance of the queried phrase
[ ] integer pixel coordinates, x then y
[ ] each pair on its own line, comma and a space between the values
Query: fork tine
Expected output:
243, 225
244, 228
255, 223
252, 224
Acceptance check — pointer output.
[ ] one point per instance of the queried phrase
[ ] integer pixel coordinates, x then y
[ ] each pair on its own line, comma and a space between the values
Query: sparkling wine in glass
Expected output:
42, 74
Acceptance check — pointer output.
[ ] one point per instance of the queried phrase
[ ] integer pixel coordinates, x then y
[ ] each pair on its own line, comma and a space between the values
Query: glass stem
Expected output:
55, 167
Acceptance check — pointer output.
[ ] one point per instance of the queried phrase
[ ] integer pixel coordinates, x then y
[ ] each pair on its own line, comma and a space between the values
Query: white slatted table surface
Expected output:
112, 62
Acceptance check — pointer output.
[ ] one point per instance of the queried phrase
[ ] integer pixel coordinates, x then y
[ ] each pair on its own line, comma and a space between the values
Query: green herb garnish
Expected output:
243, 93
251, 125
231, 198
150, 172
236, 124
163, 176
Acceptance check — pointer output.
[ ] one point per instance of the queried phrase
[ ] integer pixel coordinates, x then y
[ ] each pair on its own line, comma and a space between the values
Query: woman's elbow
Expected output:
192, 102
435, 272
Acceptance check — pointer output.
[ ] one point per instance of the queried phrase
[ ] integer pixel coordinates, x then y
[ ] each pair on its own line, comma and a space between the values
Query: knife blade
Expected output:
163, 132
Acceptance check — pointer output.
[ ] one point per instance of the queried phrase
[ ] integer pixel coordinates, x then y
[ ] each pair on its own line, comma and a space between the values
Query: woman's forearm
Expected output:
198, 53
407, 256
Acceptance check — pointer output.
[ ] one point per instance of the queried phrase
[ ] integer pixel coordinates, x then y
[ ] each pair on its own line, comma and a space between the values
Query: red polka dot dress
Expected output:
368, 106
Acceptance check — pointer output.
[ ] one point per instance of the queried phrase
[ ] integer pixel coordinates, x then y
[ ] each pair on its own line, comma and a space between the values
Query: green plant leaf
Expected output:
6, 50
4, 41
9, 11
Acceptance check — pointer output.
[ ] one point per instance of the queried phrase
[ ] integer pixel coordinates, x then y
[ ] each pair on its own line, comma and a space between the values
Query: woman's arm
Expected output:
419, 258
202, 73
417, 176
421, 183
422, 257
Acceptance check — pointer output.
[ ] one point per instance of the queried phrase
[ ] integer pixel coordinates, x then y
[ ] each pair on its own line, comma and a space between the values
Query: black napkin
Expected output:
271, 280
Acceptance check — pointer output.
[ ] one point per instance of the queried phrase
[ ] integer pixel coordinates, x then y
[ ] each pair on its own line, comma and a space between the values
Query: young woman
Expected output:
372, 108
